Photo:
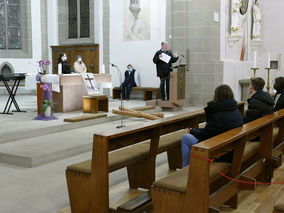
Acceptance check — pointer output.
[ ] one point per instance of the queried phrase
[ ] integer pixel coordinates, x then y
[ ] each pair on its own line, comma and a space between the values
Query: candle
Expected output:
268, 60
59, 69
254, 60
103, 71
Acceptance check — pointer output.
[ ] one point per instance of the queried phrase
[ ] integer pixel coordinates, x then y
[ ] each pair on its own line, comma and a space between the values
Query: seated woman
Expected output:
79, 65
279, 96
222, 114
62, 62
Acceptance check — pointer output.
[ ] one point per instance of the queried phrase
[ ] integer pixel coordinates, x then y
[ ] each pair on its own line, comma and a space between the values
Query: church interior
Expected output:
143, 106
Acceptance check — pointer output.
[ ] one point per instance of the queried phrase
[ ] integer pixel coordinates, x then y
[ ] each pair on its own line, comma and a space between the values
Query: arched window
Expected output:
10, 24
6, 68
78, 19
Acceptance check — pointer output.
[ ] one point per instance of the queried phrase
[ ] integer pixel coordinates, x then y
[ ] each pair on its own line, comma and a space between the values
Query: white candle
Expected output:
59, 69
268, 60
103, 71
254, 60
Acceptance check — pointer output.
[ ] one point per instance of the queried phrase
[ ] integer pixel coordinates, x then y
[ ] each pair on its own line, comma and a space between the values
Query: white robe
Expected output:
80, 67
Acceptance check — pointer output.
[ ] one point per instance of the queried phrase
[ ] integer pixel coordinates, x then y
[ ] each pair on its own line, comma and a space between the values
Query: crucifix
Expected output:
90, 80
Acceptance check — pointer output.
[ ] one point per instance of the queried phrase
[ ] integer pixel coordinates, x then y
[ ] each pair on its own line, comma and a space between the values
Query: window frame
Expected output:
63, 25
26, 34
7, 27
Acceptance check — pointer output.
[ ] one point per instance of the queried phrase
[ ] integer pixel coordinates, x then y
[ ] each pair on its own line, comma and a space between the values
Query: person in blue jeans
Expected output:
222, 114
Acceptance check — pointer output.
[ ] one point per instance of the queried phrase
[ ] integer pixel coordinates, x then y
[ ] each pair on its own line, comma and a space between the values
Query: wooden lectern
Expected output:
177, 89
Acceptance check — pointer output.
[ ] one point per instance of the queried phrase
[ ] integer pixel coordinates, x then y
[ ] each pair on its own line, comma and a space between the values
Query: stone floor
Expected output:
48, 148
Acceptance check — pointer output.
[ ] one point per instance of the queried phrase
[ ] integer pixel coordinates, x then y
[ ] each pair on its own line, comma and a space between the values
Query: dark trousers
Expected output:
165, 81
128, 90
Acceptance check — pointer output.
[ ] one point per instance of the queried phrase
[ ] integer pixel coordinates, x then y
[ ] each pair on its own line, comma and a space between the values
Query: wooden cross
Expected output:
90, 80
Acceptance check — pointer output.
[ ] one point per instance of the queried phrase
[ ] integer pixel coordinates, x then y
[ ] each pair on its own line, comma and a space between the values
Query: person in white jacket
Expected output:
79, 65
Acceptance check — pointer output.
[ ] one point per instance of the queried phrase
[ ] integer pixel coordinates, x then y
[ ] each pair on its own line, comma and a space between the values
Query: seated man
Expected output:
279, 96
79, 65
261, 103
129, 80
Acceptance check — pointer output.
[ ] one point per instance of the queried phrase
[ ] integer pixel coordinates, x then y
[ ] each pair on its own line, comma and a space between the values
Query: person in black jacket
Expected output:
279, 96
130, 79
164, 69
222, 114
261, 103
62, 59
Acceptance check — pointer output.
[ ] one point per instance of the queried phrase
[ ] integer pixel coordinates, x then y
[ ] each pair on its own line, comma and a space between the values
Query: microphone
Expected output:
113, 65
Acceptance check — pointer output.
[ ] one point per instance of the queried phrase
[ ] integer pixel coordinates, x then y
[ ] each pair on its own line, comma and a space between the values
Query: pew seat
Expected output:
178, 181
124, 157
279, 208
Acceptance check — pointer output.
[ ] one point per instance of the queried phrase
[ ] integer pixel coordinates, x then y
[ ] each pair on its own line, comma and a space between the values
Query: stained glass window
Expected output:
79, 18
84, 19
2, 25
73, 29
10, 24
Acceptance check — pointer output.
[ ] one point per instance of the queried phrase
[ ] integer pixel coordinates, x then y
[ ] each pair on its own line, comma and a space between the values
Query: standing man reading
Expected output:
163, 60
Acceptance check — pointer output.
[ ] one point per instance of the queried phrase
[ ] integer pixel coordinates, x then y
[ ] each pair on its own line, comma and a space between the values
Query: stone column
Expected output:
191, 25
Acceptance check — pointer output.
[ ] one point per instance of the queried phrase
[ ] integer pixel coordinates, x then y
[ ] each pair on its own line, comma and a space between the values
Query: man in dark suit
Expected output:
261, 103
129, 80
164, 69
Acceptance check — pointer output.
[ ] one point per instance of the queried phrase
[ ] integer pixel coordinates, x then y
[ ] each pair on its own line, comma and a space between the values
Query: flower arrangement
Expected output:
46, 104
43, 65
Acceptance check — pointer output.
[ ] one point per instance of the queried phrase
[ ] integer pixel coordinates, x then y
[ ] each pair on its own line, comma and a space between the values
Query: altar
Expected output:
72, 91
68, 90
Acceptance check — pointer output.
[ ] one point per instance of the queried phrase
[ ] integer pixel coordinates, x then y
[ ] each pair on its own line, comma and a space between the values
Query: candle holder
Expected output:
268, 79
254, 71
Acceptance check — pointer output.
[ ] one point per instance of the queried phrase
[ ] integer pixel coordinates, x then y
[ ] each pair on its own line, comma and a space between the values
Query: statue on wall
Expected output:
135, 8
235, 24
256, 21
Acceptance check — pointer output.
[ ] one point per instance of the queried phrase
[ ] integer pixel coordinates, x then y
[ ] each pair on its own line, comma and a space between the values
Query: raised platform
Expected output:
40, 146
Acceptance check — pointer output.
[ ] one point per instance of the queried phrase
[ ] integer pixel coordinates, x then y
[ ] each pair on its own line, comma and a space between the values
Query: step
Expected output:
40, 150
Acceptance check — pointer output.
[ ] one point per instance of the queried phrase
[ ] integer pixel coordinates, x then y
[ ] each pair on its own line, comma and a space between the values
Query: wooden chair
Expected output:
180, 192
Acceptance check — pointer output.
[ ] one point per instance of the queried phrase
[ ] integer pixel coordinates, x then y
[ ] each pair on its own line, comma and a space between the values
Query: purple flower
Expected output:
45, 87
47, 62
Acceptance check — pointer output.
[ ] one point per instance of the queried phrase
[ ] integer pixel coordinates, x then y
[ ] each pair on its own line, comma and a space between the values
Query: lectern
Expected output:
177, 89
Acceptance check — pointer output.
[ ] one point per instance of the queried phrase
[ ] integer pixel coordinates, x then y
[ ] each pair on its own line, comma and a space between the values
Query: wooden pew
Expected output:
147, 92
194, 188
279, 208
88, 181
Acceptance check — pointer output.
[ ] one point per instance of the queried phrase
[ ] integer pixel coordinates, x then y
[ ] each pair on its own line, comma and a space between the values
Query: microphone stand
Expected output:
121, 101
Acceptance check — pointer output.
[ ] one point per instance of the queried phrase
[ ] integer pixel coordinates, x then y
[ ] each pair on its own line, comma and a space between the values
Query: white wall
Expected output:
138, 53
272, 36
233, 68
30, 65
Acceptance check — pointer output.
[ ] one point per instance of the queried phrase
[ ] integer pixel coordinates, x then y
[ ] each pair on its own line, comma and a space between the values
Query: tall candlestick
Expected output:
268, 79
254, 60
268, 60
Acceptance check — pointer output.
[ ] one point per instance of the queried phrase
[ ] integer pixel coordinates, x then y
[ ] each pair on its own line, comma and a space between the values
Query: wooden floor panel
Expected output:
263, 198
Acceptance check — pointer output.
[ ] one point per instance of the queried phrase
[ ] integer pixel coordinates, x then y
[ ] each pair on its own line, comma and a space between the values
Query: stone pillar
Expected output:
191, 25
245, 89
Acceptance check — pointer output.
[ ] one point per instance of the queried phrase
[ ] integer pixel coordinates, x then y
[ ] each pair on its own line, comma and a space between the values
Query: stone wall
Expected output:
191, 25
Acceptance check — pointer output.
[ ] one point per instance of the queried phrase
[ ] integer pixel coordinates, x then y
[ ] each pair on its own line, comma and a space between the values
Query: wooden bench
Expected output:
180, 192
279, 208
147, 92
139, 159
